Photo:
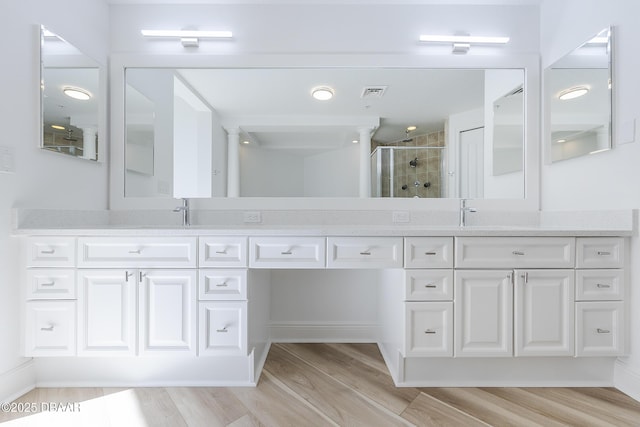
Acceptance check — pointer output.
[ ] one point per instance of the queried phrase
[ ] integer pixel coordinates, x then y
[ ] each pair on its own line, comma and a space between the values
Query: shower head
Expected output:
406, 136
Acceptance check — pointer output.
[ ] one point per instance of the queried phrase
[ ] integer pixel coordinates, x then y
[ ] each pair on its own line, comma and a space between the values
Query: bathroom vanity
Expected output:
526, 305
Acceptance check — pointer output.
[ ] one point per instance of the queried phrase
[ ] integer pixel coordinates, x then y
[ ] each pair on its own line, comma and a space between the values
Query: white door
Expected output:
168, 311
544, 313
483, 313
472, 163
106, 311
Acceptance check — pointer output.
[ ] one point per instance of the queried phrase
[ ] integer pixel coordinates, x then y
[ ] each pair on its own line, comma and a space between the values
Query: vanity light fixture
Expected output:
573, 92
322, 93
77, 93
189, 38
462, 43
57, 127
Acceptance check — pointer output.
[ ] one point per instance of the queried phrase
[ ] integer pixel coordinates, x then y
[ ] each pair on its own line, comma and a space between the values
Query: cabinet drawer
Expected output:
429, 329
223, 328
428, 252
514, 252
594, 285
599, 329
217, 251
51, 283
364, 252
287, 252
428, 285
222, 284
600, 252
51, 252
137, 252
50, 328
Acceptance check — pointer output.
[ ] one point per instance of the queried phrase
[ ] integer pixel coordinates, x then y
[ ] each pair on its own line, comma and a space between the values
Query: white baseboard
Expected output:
17, 381
626, 379
323, 332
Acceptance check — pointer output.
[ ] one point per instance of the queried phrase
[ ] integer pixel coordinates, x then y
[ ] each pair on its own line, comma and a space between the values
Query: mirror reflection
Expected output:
426, 133
579, 96
70, 102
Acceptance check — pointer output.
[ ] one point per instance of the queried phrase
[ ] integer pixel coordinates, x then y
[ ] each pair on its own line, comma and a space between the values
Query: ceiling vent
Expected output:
373, 91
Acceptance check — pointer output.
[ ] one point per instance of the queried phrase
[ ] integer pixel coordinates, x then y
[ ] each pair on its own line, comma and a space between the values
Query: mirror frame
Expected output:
529, 63
101, 132
546, 101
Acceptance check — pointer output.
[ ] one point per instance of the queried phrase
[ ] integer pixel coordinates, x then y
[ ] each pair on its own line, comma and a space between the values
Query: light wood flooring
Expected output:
330, 385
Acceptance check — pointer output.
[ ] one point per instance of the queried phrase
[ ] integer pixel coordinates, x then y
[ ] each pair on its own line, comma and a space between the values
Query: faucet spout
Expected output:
463, 212
184, 208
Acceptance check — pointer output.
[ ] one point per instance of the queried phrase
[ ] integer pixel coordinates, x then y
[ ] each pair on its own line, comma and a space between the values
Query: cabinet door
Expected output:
483, 313
167, 311
429, 329
600, 328
544, 313
106, 312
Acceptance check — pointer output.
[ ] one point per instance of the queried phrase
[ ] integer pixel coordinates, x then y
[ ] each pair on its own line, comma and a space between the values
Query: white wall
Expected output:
334, 173
606, 180
42, 179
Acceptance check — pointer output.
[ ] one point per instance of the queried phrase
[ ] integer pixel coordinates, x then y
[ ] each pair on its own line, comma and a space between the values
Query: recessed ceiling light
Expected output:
573, 92
245, 142
322, 93
411, 128
561, 141
355, 141
58, 127
77, 93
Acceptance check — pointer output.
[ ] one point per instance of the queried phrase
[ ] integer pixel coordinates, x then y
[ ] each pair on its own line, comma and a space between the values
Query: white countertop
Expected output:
101, 223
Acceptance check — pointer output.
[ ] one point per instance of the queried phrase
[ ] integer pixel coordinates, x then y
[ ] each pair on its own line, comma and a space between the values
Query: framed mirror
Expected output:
578, 94
289, 144
69, 98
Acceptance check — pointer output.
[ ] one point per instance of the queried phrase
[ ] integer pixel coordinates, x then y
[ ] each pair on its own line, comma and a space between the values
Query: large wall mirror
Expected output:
579, 99
434, 133
69, 98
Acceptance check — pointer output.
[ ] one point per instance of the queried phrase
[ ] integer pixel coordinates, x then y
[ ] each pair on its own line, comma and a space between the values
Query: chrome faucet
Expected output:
463, 212
185, 212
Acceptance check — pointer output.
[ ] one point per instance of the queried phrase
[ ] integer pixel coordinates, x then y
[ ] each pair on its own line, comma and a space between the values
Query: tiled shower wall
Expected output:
429, 151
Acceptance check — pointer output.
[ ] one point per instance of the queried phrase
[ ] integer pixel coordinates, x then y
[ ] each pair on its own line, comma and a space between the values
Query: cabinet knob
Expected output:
48, 329
603, 331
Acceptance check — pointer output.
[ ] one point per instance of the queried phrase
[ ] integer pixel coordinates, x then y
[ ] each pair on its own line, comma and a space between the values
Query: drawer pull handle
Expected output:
222, 252
603, 253
603, 285
365, 252
223, 330
49, 283
431, 253
603, 331
430, 285
519, 253
49, 329
288, 252
430, 331
222, 285
48, 251
137, 251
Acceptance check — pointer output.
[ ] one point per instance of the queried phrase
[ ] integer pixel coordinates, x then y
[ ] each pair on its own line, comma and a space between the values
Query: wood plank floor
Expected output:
329, 385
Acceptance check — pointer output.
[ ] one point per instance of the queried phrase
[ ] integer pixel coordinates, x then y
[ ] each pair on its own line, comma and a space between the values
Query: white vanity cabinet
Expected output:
50, 293
600, 290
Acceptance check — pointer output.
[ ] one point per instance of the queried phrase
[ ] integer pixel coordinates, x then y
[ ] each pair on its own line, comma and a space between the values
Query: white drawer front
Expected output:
515, 252
223, 328
600, 252
287, 252
134, 252
364, 252
217, 251
222, 284
429, 329
51, 283
51, 252
428, 285
600, 329
594, 285
50, 328
428, 252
